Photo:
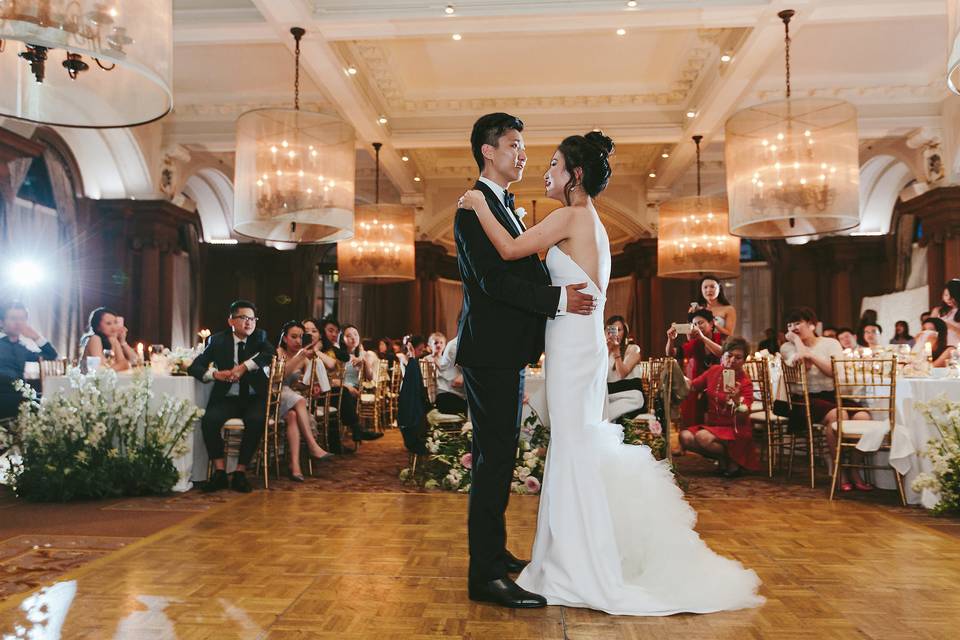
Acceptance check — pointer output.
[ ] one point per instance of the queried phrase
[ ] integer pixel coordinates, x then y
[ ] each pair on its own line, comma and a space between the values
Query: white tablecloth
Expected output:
535, 389
914, 431
192, 465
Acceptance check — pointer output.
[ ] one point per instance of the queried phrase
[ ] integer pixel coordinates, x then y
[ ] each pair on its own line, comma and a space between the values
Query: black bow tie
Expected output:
508, 200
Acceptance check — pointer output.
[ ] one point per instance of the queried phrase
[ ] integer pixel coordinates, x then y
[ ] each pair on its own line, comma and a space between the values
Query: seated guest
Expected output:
847, 338
949, 311
869, 336
829, 332
936, 332
293, 405
14, 354
357, 359
312, 336
106, 333
451, 395
235, 361
727, 434
435, 346
623, 377
385, 350
414, 346
770, 343
803, 345
901, 334
696, 352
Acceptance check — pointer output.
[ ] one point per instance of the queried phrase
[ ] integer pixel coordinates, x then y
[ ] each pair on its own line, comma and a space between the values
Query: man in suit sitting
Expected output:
14, 355
235, 362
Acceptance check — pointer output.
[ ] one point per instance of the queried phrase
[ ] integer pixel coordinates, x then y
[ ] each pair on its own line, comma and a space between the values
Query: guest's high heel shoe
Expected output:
296, 477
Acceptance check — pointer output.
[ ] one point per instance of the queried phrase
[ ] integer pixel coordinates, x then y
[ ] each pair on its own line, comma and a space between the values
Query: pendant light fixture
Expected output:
383, 249
793, 165
294, 179
693, 237
86, 63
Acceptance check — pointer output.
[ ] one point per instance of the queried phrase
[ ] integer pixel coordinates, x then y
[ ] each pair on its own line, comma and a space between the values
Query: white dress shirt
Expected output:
447, 370
249, 364
501, 192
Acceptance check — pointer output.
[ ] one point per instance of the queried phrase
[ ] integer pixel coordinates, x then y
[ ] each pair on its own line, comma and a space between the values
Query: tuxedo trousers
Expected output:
252, 410
495, 400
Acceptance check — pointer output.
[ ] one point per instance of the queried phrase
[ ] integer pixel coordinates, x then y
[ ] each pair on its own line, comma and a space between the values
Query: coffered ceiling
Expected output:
562, 67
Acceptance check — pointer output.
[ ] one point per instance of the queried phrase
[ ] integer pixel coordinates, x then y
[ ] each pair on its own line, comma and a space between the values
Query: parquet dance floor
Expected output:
285, 565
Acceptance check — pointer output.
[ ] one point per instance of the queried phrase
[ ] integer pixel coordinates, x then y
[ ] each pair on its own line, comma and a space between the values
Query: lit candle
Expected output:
140, 352
867, 352
928, 349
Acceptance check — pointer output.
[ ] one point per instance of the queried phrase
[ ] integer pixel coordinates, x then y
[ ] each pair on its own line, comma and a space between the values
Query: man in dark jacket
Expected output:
235, 361
14, 355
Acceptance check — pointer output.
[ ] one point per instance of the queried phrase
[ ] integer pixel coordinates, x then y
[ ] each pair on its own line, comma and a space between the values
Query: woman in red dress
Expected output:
727, 434
700, 350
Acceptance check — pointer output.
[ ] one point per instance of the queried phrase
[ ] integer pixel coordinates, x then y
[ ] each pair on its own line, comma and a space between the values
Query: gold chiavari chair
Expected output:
656, 382
762, 412
382, 377
396, 379
428, 368
318, 404
864, 384
333, 406
271, 426
798, 395
368, 404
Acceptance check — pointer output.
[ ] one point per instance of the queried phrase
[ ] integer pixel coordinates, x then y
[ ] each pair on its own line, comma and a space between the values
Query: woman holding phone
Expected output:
623, 379
726, 434
699, 350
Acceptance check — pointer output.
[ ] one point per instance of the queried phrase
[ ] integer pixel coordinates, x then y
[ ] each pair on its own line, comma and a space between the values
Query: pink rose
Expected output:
467, 460
532, 484
656, 428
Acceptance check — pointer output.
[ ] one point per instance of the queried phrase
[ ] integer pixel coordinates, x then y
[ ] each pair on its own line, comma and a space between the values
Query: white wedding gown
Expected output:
614, 532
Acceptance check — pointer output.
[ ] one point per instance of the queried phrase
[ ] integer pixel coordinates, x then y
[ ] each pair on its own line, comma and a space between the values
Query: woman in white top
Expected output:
949, 311
710, 296
803, 344
623, 360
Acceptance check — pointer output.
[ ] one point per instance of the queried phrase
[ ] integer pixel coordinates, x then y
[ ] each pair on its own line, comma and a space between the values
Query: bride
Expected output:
614, 532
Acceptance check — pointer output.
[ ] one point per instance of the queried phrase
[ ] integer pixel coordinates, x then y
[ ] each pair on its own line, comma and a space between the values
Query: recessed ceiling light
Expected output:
457, 37
621, 32
691, 114
382, 119
351, 71
405, 158
416, 178
664, 155
632, 4
653, 175
726, 57
449, 10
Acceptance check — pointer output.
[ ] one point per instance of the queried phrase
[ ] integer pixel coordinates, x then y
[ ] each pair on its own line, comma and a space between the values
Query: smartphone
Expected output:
307, 339
729, 380
613, 331
683, 328
119, 321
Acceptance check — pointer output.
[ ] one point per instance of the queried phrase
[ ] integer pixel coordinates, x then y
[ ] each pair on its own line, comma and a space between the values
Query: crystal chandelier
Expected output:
693, 237
793, 165
294, 177
382, 251
86, 63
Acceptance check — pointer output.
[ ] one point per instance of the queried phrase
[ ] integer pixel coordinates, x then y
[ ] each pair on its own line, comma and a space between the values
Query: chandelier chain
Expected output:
696, 141
297, 35
786, 15
376, 147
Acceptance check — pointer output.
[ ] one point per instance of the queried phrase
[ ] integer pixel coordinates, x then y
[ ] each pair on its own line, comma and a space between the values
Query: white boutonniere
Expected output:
521, 212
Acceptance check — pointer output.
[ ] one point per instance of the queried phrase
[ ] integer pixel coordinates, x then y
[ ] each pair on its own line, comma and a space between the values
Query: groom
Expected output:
505, 307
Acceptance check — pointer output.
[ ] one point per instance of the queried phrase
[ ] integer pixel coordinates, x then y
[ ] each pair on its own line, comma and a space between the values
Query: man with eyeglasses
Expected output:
235, 361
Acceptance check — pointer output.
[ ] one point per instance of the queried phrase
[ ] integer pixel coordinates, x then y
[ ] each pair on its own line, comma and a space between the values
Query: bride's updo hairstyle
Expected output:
591, 154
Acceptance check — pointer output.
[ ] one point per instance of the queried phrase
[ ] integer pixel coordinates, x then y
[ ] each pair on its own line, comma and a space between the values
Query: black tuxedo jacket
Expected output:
505, 303
219, 351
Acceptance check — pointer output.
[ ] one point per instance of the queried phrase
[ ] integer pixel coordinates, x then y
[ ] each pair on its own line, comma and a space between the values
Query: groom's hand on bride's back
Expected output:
577, 302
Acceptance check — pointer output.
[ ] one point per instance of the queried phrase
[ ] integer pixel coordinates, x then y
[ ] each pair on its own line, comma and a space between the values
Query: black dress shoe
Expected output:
368, 435
240, 482
515, 564
217, 482
506, 593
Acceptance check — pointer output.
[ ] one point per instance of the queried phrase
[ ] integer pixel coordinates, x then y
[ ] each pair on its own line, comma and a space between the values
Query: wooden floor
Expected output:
286, 565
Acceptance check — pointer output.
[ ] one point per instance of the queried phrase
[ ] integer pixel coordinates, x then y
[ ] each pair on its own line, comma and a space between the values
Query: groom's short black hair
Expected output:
488, 129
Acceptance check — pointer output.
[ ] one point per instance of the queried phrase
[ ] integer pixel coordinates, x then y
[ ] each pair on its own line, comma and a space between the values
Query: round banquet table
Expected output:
912, 433
192, 465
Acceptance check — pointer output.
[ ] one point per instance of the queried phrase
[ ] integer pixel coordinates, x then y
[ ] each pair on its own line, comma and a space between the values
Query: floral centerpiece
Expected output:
645, 431
97, 440
179, 360
450, 458
943, 453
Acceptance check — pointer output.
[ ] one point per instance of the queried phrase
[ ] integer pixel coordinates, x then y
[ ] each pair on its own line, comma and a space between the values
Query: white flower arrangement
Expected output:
944, 454
98, 439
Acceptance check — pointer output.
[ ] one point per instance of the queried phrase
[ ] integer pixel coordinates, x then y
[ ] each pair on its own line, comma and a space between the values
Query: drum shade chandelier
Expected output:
86, 63
793, 165
693, 237
382, 250
294, 178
